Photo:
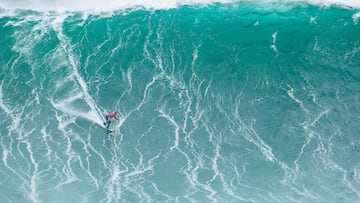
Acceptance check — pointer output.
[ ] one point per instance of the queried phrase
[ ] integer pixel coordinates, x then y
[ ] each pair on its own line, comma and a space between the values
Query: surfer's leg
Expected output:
108, 124
107, 120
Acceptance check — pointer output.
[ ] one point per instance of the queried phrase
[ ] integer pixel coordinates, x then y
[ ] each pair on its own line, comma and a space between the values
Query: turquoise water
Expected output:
238, 102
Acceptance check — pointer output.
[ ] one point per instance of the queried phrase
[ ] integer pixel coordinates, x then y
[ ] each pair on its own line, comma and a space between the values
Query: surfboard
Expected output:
110, 130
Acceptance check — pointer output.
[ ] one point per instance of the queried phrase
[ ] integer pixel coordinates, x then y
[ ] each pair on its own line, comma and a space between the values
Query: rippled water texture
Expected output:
237, 102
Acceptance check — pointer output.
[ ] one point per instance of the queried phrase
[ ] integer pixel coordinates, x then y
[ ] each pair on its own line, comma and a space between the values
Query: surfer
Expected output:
108, 117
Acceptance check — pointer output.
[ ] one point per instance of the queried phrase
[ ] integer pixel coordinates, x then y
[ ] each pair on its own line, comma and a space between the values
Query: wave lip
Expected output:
113, 5
345, 3
85, 5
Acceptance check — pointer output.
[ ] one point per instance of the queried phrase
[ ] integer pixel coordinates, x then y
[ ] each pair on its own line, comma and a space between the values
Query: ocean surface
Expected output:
217, 102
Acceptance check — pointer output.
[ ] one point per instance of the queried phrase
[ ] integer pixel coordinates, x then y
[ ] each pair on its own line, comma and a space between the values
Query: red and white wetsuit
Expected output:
111, 115
108, 116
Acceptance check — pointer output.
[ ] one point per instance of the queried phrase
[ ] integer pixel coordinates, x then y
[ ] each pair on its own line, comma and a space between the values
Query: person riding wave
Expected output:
108, 118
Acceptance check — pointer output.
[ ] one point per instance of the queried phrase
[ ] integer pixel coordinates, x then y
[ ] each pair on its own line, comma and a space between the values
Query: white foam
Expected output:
113, 5
347, 3
273, 45
2, 103
356, 17
176, 126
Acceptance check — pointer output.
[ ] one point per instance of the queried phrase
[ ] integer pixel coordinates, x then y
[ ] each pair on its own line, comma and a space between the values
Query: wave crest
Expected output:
113, 5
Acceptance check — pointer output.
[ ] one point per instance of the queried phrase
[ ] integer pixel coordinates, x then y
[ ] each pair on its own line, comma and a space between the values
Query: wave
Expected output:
227, 105
115, 5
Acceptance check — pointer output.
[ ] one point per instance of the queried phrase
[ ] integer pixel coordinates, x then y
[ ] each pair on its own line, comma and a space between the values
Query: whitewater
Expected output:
218, 101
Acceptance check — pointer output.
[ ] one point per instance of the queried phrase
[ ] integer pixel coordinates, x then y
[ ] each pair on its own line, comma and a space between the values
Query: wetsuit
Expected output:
108, 117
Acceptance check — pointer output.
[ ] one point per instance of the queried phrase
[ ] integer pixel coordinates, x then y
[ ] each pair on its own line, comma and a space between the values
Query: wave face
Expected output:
235, 102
